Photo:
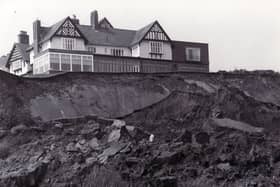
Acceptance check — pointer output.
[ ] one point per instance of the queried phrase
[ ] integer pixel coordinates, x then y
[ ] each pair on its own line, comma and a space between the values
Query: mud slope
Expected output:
116, 95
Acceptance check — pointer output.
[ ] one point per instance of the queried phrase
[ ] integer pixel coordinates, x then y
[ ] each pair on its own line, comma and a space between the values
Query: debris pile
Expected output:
209, 130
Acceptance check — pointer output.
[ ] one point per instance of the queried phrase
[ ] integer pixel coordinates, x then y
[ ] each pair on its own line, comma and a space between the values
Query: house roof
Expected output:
48, 32
106, 37
22, 49
112, 37
105, 20
140, 34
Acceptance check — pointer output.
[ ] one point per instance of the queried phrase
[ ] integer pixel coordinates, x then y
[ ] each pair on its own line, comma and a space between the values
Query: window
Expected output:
156, 47
117, 52
92, 49
68, 43
192, 54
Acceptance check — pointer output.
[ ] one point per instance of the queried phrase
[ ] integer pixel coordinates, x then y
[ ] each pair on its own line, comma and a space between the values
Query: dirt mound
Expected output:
192, 129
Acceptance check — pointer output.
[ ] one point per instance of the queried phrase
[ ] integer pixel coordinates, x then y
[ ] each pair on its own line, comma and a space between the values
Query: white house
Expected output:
70, 46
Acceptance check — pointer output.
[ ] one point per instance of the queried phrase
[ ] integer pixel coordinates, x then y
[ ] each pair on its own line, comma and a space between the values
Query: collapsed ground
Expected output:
187, 129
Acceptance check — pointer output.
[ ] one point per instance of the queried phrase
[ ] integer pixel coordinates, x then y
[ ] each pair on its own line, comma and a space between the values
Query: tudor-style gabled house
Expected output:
100, 47
18, 61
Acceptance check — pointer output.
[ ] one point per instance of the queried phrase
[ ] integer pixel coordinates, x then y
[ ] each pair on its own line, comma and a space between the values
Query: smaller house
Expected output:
3, 61
18, 61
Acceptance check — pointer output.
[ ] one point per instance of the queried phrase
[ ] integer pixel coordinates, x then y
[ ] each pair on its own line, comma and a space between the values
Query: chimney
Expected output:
75, 20
23, 37
94, 19
36, 36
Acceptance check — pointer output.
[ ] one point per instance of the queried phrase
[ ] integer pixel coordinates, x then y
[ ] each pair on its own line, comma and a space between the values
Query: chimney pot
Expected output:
23, 37
94, 19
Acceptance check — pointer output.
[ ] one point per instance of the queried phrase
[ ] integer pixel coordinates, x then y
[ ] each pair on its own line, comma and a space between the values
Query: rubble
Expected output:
210, 130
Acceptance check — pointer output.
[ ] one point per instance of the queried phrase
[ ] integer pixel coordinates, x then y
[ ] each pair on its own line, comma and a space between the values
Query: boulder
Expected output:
169, 157
93, 144
59, 125
111, 151
202, 138
167, 181
185, 137
83, 146
30, 176
118, 123
224, 166
71, 147
118, 134
237, 125
17, 129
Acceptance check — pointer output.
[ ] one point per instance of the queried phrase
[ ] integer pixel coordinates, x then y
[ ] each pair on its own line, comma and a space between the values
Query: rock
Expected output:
167, 181
32, 175
3, 133
185, 137
276, 155
224, 166
17, 129
111, 151
83, 146
93, 144
169, 157
114, 136
202, 138
71, 147
130, 128
91, 160
237, 125
59, 125
90, 131
138, 134
130, 161
117, 135
118, 123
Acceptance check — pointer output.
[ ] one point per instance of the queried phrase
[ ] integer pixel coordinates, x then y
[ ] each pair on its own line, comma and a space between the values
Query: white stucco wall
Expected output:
56, 43
19, 67
145, 50
46, 45
31, 55
136, 51
106, 50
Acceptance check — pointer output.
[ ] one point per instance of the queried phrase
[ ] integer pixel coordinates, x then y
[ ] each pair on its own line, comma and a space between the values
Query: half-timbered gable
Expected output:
152, 42
18, 60
68, 29
157, 33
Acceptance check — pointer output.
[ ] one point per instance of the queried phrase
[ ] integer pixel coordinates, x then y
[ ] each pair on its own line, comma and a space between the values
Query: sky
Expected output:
242, 34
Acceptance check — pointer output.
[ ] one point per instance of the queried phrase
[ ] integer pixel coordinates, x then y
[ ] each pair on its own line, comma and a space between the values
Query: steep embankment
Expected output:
73, 94
185, 129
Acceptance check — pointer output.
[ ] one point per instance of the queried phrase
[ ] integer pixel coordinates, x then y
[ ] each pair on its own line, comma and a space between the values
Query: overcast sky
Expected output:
242, 34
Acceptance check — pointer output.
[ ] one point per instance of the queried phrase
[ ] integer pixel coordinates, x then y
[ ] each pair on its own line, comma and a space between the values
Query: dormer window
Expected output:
68, 43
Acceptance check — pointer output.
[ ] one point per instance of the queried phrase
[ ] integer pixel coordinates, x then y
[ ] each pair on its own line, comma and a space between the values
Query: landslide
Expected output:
180, 129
